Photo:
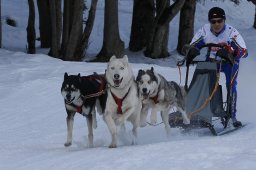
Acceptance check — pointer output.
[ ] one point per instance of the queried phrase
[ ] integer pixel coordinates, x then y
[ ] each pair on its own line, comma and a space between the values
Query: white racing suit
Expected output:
230, 38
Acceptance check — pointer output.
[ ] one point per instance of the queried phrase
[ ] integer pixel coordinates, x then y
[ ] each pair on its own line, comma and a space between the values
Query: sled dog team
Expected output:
119, 97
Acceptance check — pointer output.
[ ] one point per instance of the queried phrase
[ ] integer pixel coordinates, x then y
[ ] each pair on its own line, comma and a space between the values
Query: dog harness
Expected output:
119, 101
79, 110
155, 99
102, 87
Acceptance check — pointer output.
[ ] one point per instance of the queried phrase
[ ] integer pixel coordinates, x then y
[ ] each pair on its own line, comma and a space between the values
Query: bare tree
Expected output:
83, 45
254, 24
112, 44
142, 22
72, 28
44, 23
186, 28
158, 41
31, 33
56, 23
254, 2
0, 24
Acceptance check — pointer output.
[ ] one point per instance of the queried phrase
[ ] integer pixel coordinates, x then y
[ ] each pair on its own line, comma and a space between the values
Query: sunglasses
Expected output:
216, 21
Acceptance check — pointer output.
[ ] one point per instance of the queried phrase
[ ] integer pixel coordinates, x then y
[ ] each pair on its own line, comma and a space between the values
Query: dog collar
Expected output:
155, 99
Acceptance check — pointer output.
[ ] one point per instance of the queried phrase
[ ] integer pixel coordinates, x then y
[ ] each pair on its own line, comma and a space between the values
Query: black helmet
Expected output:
216, 12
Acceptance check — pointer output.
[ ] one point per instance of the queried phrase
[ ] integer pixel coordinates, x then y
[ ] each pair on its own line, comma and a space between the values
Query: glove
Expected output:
192, 53
224, 54
229, 49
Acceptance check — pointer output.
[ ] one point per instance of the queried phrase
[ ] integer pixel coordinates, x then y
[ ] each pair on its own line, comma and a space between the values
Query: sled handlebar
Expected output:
212, 45
227, 57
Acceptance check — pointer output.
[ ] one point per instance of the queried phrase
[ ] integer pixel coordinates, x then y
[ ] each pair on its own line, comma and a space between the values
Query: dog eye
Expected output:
149, 82
73, 89
112, 68
122, 68
141, 82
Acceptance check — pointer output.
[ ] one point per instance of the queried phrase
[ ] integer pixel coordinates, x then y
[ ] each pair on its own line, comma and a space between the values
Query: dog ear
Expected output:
140, 73
112, 58
79, 77
125, 58
65, 75
152, 69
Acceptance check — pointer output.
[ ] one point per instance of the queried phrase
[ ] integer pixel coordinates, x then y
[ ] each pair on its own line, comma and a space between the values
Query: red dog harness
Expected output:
155, 99
119, 101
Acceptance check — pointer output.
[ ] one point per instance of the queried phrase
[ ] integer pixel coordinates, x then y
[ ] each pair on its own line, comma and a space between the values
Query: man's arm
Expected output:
198, 39
238, 45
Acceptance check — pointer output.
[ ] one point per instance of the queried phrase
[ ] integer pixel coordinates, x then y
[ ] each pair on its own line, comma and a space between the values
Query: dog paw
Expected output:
143, 124
186, 122
112, 146
67, 144
153, 121
90, 145
134, 143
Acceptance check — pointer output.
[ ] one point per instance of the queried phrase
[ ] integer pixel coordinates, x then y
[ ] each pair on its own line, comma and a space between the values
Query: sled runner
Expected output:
205, 106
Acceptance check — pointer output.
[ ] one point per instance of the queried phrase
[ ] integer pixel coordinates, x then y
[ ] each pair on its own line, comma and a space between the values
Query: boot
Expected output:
236, 123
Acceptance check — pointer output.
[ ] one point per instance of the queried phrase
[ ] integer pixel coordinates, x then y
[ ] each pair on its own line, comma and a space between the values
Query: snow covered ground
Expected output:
32, 116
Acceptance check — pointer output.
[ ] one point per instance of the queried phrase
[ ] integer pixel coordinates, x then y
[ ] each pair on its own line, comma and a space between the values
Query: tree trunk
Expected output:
254, 24
142, 22
31, 33
44, 23
66, 24
254, 2
186, 28
83, 45
0, 24
158, 41
58, 23
73, 27
55, 6
112, 44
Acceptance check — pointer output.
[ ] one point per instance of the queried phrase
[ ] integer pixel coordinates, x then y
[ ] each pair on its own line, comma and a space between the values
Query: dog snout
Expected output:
68, 96
144, 90
116, 76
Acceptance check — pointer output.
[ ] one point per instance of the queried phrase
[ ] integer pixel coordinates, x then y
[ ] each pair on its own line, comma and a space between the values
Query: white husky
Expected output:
123, 101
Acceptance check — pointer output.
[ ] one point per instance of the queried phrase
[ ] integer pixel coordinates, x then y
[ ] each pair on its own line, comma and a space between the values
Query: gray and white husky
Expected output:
160, 95
81, 95
123, 101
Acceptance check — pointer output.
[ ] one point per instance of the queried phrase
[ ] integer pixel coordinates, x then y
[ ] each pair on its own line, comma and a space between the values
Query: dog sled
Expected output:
205, 106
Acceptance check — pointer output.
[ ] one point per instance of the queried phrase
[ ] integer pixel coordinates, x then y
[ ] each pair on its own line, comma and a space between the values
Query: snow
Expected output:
33, 117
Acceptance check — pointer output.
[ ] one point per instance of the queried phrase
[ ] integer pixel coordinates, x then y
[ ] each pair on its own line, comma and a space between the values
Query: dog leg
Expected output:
143, 116
112, 128
70, 122
153, 116
135, 120
94, 119
165, 117
135, 134
90, 131
122, 118
186, 120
